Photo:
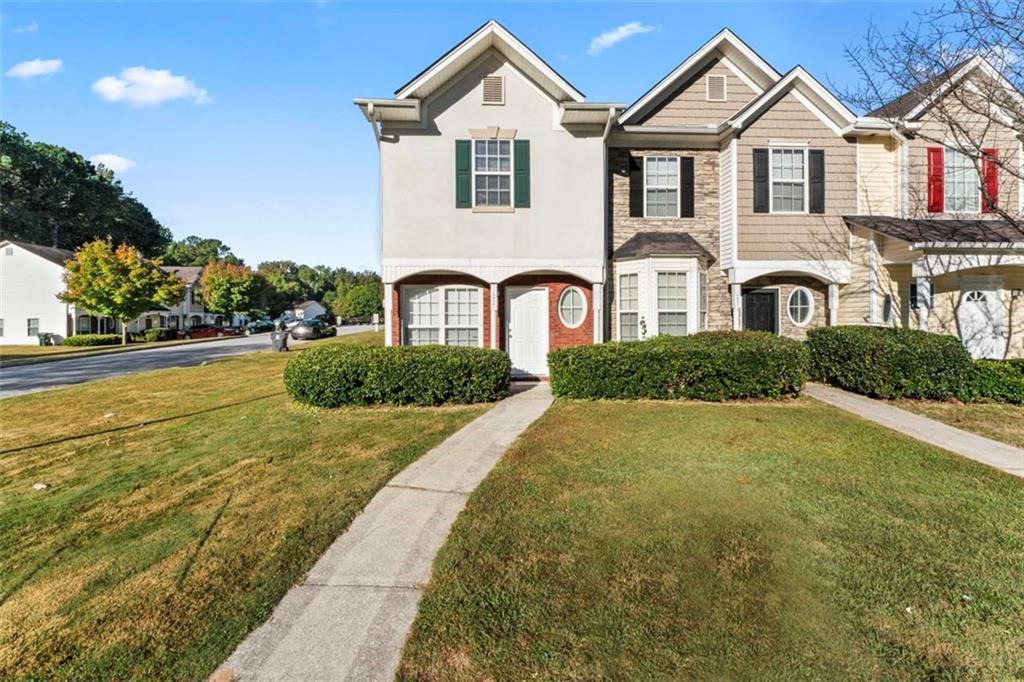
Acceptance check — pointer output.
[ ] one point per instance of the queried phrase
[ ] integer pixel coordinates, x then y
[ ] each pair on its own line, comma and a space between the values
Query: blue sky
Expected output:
252, 136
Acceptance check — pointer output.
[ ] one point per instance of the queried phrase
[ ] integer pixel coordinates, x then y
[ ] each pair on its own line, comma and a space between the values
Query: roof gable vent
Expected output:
715, 88
494, 89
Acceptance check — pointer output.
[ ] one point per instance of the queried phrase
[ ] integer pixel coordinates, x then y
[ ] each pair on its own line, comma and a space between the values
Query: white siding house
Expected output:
30, 279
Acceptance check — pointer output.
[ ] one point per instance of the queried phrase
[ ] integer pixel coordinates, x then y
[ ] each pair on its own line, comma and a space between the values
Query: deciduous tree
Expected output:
117, 282
198, 251
229, 289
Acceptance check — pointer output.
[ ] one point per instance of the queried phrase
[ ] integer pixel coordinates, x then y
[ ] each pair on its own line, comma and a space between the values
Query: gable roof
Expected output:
919, 99
188, 274
306, 304
725, 42
817, 94
52, 254
490, 35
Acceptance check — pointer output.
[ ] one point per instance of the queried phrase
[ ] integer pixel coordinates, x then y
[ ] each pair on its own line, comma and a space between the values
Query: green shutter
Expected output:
463, 174
522, 174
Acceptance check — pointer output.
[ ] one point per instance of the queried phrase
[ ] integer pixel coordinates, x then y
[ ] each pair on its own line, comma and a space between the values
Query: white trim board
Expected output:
829, 271
494, 270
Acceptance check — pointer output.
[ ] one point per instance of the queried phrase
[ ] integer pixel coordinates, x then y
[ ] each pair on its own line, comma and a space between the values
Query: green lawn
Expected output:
993, 420
742, 541
182, 505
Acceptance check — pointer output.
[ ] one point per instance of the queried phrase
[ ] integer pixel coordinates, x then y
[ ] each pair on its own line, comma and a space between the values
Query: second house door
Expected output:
760, 310
526, 319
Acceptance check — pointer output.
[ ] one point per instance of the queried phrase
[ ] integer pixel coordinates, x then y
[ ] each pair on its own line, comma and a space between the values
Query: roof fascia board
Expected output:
798, 76
491, 29
690, 64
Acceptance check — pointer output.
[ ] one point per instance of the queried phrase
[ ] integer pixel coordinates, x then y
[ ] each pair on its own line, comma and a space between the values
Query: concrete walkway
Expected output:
972, 446
349, 619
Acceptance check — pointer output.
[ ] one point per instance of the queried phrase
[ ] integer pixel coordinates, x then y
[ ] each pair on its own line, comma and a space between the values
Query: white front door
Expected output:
981, 316
526, 319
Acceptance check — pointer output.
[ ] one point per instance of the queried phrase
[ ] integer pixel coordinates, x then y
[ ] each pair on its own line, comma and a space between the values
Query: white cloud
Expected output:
30, 27
118, 164
35, 67
148, 87
617, 35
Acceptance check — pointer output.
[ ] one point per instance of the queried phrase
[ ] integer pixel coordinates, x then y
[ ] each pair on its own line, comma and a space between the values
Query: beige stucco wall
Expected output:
764, 236
688, 104
418, 215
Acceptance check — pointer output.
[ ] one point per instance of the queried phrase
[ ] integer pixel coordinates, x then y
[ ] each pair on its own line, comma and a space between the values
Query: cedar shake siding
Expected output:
703, 226
689, 106
767, 236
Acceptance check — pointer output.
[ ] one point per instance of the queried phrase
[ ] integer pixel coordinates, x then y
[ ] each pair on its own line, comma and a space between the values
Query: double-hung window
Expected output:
33, 326
492, 172
661, 186
629, 308
789, 180
447, 315
672, 303
963, 194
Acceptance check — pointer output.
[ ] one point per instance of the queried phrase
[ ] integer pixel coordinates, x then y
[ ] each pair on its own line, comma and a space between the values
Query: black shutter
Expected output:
522, 173
686, 187
760, 181
463, 174
636, 187
816, 173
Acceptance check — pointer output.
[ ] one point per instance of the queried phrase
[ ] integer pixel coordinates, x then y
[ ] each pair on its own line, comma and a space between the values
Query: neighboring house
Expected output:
31, 277
30, 280
307, 310
516, 215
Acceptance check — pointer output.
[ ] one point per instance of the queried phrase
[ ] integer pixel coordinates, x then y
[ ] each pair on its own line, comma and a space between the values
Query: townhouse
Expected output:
517, 215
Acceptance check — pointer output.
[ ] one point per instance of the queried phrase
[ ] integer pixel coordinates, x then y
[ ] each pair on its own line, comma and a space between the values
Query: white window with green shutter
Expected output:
492, 174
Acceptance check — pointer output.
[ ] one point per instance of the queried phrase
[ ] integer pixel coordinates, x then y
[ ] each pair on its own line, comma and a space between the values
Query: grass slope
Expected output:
741, 541
201, 496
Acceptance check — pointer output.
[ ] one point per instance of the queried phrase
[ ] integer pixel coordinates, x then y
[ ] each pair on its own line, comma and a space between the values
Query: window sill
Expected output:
494, 209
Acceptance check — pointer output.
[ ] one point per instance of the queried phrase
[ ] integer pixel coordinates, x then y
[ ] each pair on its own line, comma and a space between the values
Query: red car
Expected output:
206, 331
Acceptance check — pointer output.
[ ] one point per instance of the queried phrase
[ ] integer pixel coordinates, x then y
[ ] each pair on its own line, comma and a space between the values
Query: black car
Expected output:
312, 329
259, 326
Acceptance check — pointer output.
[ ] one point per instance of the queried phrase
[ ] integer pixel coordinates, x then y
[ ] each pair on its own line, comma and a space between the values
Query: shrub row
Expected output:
159, 334
333, 375
998, 380
707, 366
92, 340
883, 362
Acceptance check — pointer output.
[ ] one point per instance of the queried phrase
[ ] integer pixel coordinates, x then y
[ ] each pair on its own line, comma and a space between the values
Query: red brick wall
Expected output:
559, 336
438, 280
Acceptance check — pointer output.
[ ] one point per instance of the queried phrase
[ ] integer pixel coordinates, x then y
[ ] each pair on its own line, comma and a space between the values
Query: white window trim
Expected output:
509, 173
810, 312
981, 194
771, 179
583, 297
678, 182
441, 326
657, 304
647, 270
619, 310
725, 87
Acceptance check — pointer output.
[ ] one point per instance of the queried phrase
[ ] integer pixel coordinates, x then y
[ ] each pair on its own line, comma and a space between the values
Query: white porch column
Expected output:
735, 291
389, 291
924, 301
598, 296
494, 316
833, 304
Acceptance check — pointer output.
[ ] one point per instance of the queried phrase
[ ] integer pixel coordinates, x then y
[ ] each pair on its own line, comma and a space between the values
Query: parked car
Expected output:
313, 329
289, 322
206, 331
259, 326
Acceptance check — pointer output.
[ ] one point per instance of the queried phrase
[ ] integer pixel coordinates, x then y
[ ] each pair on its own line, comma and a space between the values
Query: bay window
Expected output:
629, 316
654, 296
672, 303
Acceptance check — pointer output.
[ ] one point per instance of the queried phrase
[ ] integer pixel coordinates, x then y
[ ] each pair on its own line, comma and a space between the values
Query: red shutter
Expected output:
990, 176
935, 180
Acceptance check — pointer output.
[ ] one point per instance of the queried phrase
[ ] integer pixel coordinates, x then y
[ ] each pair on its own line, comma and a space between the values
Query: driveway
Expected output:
23, 379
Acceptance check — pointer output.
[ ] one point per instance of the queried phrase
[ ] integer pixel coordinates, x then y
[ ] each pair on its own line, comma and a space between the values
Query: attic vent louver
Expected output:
716, 88
494, 90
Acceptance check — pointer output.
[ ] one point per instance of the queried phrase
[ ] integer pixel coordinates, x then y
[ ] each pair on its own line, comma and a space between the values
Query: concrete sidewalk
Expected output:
349, 619
972, 446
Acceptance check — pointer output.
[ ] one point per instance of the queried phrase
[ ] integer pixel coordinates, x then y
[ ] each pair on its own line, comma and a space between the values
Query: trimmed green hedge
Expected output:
92, 340
707, 366
998, 380
891, 363
333, 375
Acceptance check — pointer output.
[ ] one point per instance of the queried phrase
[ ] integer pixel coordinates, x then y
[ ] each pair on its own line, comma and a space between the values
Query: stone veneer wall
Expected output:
704, 226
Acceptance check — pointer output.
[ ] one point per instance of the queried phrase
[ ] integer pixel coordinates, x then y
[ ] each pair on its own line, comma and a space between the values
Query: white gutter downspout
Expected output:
599, 317
374, 121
